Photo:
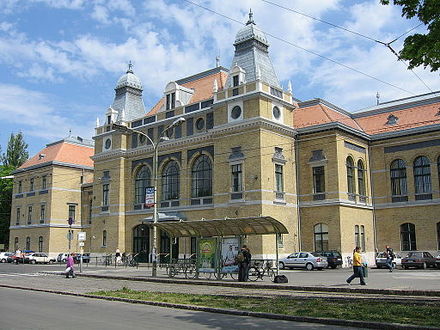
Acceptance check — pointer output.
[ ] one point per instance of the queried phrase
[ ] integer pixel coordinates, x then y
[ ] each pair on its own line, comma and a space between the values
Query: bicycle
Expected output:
260, 269
186, 267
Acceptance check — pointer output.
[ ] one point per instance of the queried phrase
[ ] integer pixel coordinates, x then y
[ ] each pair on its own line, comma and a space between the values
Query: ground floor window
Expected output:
28, 243
40, 244
321, 237
408, 237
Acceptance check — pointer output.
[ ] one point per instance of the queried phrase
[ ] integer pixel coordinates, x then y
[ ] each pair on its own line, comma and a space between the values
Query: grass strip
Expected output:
377, 311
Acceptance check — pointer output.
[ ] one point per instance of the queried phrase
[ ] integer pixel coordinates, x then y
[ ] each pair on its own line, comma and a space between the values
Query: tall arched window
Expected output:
201, 177
321, 237
104, 238
362, 232
398, 180
361, 178
143, 180
422, 178
350, 178
408, 237
28, 243
40, 244
170, 181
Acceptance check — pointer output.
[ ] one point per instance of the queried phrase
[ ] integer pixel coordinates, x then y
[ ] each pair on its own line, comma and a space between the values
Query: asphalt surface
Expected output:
39, 310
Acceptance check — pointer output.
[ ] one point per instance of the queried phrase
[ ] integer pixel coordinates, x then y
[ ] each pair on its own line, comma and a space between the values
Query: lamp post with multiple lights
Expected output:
162, 137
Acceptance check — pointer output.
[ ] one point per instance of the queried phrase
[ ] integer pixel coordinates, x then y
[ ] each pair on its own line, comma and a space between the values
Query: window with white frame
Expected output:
42, 213
237, 178
104, 238
320, 232
105, 192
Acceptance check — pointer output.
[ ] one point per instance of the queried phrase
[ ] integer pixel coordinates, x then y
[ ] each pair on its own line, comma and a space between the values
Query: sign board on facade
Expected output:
149, 196
81, 244
82, 236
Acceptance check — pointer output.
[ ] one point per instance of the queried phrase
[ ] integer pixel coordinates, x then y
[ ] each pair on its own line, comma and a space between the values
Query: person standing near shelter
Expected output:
243, 260
389, 254
69, 267
357, 267
118, 256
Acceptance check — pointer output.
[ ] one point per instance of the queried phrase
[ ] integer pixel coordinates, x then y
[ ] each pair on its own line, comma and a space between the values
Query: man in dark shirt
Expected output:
243, 264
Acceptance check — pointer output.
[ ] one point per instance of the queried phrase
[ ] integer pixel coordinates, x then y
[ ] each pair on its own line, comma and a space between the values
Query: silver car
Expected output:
305, 260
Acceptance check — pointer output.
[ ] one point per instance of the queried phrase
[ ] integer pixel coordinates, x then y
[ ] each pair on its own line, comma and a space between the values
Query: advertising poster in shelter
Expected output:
207, 248
230, 248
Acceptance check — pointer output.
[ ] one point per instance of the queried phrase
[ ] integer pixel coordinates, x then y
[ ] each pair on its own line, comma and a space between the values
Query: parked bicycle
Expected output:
183, 266
259, 269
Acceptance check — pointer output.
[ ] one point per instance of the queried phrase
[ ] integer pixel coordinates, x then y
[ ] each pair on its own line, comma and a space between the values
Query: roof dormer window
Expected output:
235, 81
171, 101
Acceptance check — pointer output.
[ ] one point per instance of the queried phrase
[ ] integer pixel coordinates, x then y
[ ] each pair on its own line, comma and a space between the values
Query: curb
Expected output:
320, 320
390, 292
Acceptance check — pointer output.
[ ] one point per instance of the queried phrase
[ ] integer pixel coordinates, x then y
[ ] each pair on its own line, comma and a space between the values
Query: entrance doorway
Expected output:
165, 247
141, 242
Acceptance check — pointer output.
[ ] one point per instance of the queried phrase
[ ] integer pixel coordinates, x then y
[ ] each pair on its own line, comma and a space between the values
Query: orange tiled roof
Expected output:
413, 117
202, 89
63, 152
319, 114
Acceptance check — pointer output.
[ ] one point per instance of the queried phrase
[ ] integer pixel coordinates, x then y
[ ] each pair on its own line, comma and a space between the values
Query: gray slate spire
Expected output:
128, 96
251, 52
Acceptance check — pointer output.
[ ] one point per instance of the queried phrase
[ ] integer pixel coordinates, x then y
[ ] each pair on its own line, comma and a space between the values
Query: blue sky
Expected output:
60, 59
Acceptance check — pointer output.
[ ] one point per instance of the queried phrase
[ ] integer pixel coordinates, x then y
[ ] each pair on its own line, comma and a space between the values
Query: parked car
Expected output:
4, 256
334, 258
305, 260
38, 257
85, 258
62, 257
21, 258
437, 261
419, 259
381, 260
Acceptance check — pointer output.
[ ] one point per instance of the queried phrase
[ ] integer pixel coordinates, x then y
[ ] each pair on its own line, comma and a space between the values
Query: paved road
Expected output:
414, 279
37, 310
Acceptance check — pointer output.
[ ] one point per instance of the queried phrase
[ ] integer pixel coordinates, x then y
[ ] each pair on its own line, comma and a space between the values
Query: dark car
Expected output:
418, 259
334, 258
437, 261
85, 258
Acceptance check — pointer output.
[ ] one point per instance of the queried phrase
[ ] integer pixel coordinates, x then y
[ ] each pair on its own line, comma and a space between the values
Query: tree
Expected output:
16, 153
421, 49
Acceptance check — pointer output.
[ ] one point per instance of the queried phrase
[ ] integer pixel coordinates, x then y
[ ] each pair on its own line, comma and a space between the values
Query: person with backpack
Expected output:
243, 260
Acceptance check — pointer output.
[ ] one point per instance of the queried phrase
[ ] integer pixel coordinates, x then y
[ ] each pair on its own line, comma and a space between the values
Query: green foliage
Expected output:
421, 49
5, 203
16, 153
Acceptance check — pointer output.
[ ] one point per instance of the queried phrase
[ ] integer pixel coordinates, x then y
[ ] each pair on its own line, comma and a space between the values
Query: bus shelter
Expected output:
219, 240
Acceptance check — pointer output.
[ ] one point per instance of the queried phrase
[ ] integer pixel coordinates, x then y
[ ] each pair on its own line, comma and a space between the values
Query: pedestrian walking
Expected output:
389, 254
69, 267
357, 267
243, 259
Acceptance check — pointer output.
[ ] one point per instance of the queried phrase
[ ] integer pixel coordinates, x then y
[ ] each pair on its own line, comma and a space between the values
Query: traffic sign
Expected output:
82, 236
149, 196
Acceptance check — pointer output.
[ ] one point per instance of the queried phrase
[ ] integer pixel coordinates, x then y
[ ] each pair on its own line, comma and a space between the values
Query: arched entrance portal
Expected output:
141, 242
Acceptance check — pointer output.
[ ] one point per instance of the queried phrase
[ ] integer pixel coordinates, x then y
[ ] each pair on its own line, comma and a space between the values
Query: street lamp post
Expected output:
155, 145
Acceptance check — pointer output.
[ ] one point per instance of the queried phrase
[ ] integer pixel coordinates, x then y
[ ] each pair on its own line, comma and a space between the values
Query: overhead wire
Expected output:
386, 44
306, 50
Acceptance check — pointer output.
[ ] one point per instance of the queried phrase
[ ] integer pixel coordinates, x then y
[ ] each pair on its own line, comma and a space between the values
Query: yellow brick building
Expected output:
248, 148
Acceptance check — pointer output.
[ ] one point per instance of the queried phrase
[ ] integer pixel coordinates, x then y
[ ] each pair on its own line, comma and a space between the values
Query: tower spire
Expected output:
130, 67
251, 17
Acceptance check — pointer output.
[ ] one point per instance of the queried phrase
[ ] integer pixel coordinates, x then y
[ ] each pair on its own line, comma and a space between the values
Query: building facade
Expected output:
248, 148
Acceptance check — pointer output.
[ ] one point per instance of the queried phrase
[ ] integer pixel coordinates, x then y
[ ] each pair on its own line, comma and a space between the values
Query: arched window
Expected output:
28, 243
350, 178
170, 181
362, 232
398, 178
361, 178
143, 179
201, 177
321, 237
104, 238
40, 244
408, 237
422, 178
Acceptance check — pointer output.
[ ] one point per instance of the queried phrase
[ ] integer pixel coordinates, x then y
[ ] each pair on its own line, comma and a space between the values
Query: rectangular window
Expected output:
17, 220
189, 127
237, 178
279, 178
40, 244
173, 100
105, 194
29, 221
42, 213
362, 238
150, 134
20, 187
235, 81
90, 211
44, 182
72, 212
170, 101
318, 180
106, 174
31, 185
357, 241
